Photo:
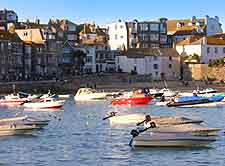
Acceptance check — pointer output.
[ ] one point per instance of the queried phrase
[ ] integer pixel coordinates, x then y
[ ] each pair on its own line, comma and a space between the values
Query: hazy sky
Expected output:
105, 11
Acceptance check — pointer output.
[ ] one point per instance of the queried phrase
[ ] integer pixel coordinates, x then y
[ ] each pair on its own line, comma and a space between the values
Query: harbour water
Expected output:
77, 135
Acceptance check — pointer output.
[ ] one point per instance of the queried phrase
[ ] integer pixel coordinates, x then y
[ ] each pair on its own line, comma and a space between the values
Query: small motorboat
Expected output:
132, 98
152, 139
194, 100
88, 94
155, 93
20, 125
46, 103
12, 100
26, 120
141, 117
193, 129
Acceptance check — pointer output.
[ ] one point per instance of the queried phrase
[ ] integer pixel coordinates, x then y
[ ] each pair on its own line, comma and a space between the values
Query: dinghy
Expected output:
170, 140
141, 117
193, 129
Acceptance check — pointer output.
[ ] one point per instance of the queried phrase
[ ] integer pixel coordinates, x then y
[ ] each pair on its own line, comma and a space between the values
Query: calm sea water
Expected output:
78, 136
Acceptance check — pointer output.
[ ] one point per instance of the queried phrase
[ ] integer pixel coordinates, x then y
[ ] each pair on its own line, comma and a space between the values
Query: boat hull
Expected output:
139, 117
131, 100
171, 140
43, 105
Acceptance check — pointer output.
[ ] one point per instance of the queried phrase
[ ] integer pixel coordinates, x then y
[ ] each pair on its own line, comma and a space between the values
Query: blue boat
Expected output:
193, 100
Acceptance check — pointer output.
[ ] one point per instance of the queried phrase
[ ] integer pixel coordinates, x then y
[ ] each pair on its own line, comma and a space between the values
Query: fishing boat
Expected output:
140, 117
46, 103
194, 100
152, 139
88, 94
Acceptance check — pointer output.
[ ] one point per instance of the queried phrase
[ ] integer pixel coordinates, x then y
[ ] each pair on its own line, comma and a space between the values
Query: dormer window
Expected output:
180, 24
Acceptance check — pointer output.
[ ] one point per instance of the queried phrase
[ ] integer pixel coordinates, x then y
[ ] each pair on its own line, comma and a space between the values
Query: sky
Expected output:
106, 11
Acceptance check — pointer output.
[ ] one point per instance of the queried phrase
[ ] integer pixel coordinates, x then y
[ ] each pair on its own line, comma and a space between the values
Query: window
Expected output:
216, 50
155, 66
170, 58
143, 26
208, 50
170, 66
155, 58
121, 26
154, 27
143, 37
156, 73
89, 59
154, 37
115, 26
121, 36
115, 37
224, 50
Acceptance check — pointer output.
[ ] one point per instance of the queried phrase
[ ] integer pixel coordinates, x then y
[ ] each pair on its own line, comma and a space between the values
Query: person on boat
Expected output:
138, 93
163, 99
195, 93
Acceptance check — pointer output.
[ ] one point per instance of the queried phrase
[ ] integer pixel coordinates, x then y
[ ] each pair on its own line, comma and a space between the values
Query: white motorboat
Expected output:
168, 92
12, 100
170, 140
16, 129
25, 120
140, 117
88, 94
194, 129
20, 125
46, 103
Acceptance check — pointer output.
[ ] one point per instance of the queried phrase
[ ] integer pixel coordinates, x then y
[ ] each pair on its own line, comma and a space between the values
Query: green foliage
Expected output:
216, 63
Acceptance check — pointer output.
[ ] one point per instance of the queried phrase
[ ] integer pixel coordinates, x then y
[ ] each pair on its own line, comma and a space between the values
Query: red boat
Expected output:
131, 100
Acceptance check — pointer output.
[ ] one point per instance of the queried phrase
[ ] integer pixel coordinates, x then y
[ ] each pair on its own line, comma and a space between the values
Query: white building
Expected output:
207, 48
157, 62
118, 35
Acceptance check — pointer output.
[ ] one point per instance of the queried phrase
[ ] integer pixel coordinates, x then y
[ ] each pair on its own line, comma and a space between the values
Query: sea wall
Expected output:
203, 72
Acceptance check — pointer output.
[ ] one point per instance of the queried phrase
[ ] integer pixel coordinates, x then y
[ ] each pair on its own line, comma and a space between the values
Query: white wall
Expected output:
201, 50
118, 29
206, 57
189, 49
145, 66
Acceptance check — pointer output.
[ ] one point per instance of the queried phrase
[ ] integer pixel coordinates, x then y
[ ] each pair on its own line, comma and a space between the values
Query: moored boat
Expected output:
12, 100
140, 117
194, 100
170, 140
46, 103
88, 94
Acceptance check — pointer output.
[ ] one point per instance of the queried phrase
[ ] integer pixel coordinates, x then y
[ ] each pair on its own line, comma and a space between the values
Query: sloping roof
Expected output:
210, 41
172, 24
142, 52
188, 41
9, 36
32, 35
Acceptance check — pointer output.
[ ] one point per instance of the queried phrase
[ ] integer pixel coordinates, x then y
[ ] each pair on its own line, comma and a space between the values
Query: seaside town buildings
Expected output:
135, 34
178, 30
33, 50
